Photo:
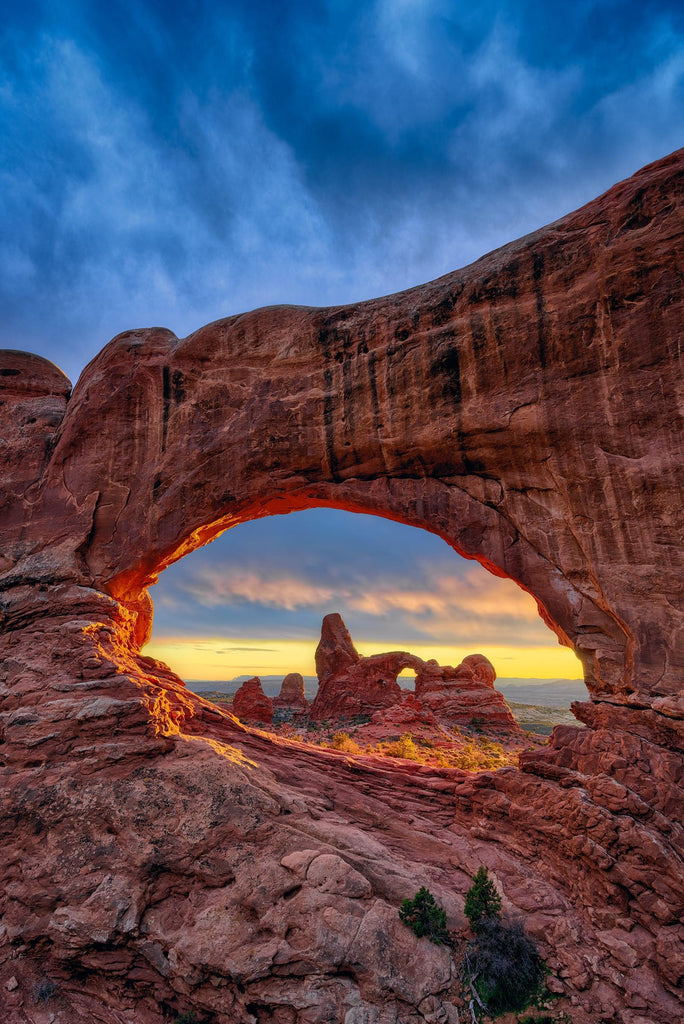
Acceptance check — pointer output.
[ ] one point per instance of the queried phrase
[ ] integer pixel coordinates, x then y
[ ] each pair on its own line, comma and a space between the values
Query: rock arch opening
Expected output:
251, 604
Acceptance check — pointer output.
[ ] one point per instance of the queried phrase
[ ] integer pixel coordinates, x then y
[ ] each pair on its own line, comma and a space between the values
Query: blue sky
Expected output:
172, 163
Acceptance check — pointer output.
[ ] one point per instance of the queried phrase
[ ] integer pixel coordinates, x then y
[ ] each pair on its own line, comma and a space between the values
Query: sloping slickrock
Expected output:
523, 408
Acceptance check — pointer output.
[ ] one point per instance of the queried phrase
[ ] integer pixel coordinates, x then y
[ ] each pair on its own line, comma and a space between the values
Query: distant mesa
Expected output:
350, 686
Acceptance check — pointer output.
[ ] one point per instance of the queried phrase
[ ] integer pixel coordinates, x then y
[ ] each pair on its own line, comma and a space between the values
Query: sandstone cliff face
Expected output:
523, 409
508, 407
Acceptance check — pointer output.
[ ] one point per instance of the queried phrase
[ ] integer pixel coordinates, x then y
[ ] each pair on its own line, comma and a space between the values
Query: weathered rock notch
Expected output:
522, 408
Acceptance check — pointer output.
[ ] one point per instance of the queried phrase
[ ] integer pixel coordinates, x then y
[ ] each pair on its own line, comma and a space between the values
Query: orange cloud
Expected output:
473, 603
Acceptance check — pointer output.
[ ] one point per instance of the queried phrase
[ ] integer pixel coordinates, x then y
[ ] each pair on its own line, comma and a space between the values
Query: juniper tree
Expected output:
424, 916
482, 900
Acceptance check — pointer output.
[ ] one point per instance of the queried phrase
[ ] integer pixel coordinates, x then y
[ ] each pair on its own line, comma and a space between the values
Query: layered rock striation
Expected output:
158, 857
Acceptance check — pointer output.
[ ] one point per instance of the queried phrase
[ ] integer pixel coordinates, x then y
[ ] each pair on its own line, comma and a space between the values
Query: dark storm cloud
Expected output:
173, 163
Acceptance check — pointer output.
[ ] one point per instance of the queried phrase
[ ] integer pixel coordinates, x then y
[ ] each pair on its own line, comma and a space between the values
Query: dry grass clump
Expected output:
487, 754
469, 754
483, 756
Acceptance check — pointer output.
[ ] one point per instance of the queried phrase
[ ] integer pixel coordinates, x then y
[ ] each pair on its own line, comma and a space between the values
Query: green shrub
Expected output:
503, 966
425, 917
482, 900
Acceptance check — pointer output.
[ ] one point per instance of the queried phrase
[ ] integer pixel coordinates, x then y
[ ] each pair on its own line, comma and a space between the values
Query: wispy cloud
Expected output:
435, 595
228, 586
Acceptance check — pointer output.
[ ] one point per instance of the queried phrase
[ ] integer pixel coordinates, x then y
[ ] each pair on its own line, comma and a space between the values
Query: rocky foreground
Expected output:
158, 857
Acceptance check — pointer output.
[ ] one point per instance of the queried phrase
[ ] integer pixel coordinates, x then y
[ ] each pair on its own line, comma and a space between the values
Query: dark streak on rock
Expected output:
447, 369
478, 335
166, 397
537, 274
328, 422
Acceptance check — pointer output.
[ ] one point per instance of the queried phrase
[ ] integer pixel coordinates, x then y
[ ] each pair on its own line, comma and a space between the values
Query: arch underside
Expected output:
476, 531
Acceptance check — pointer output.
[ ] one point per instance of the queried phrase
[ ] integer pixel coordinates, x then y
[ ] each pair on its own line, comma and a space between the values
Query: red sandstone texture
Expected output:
349, 685
251, 705
461, 695
291, 696
157, 856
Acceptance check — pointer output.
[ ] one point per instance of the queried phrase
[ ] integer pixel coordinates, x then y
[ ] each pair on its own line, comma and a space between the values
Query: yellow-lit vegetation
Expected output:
403, 747
343, 741
456, 750
470, 755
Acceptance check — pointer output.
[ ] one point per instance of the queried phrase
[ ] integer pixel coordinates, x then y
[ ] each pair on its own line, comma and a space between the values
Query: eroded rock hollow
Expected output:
159, 856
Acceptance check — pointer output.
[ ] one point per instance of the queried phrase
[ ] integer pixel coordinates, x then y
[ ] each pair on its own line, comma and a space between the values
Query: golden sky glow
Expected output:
222, 658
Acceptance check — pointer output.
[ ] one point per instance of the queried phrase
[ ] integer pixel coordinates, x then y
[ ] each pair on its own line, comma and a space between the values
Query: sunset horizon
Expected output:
280, 657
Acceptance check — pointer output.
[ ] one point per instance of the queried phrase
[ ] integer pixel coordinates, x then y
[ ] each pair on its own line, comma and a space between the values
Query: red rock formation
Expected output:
251, 705
350, 685
292, 694
523, 409
409, 715
465, 694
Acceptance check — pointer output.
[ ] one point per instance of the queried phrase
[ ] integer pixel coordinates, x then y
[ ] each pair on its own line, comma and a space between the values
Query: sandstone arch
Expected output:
521, 408
524, 409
